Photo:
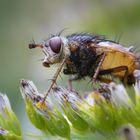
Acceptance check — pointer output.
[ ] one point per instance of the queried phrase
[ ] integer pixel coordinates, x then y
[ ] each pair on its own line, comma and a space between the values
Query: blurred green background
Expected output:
22, 20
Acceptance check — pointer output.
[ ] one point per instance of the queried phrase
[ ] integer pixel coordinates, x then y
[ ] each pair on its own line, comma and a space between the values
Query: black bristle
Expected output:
85, 37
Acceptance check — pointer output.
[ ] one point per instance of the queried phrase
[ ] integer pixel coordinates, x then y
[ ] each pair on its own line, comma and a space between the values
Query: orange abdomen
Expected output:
116, 58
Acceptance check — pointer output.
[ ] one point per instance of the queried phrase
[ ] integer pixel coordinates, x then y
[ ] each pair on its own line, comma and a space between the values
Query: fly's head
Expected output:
55, 49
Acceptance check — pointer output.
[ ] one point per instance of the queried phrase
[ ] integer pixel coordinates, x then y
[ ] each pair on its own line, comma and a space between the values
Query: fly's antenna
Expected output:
33, 45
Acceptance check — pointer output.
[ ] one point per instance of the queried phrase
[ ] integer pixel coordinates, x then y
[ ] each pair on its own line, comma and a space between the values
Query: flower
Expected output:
70, 103
9, 124
8, 135
105, 111
45, 116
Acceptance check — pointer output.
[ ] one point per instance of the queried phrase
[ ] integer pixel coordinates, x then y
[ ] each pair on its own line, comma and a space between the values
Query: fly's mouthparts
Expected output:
45, 64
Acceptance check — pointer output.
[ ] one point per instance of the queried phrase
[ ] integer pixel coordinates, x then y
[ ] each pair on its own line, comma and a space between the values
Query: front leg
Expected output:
54, 78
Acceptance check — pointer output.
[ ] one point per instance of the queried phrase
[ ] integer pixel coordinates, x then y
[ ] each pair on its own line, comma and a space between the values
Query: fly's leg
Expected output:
125, 81
104, 80
70, 84
115, 70
54, 79
98, 68
131, 79
70, 80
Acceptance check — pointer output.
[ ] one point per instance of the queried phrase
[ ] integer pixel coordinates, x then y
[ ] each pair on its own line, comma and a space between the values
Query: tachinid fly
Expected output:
90, 55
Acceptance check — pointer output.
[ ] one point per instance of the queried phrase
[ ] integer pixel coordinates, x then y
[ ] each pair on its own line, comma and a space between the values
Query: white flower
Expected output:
66, 96
3, 131
29, 89
119, 95
4, 104
137, 85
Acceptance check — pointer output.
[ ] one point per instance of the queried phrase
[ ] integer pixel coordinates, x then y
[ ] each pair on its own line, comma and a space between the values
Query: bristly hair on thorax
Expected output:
85, 37
84, 59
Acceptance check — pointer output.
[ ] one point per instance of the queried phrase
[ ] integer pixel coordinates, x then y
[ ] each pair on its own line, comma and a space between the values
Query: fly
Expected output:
90, 55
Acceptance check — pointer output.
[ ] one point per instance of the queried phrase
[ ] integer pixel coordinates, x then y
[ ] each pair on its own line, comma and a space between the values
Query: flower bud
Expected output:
8, 119
68, 100
43, 114
8, 135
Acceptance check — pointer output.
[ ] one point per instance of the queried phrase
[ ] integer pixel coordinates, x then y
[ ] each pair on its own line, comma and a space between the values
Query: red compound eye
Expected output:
55, 44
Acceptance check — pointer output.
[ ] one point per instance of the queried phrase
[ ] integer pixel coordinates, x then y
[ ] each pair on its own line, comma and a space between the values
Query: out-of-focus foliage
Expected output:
9, 124
20, 21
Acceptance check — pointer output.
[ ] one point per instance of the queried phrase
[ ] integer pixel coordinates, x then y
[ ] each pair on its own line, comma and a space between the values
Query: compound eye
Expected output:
55, 44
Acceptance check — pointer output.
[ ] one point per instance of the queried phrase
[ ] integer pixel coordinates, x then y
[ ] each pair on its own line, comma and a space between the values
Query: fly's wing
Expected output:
117, 56
138, 60
113, 45
136, 50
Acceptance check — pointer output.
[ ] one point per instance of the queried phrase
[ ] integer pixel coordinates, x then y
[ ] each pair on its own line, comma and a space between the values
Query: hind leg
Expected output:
115, 70
98, 67
98, 70
104, 80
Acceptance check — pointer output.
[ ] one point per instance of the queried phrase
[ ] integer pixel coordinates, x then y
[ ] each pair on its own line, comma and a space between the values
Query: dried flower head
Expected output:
45, 117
